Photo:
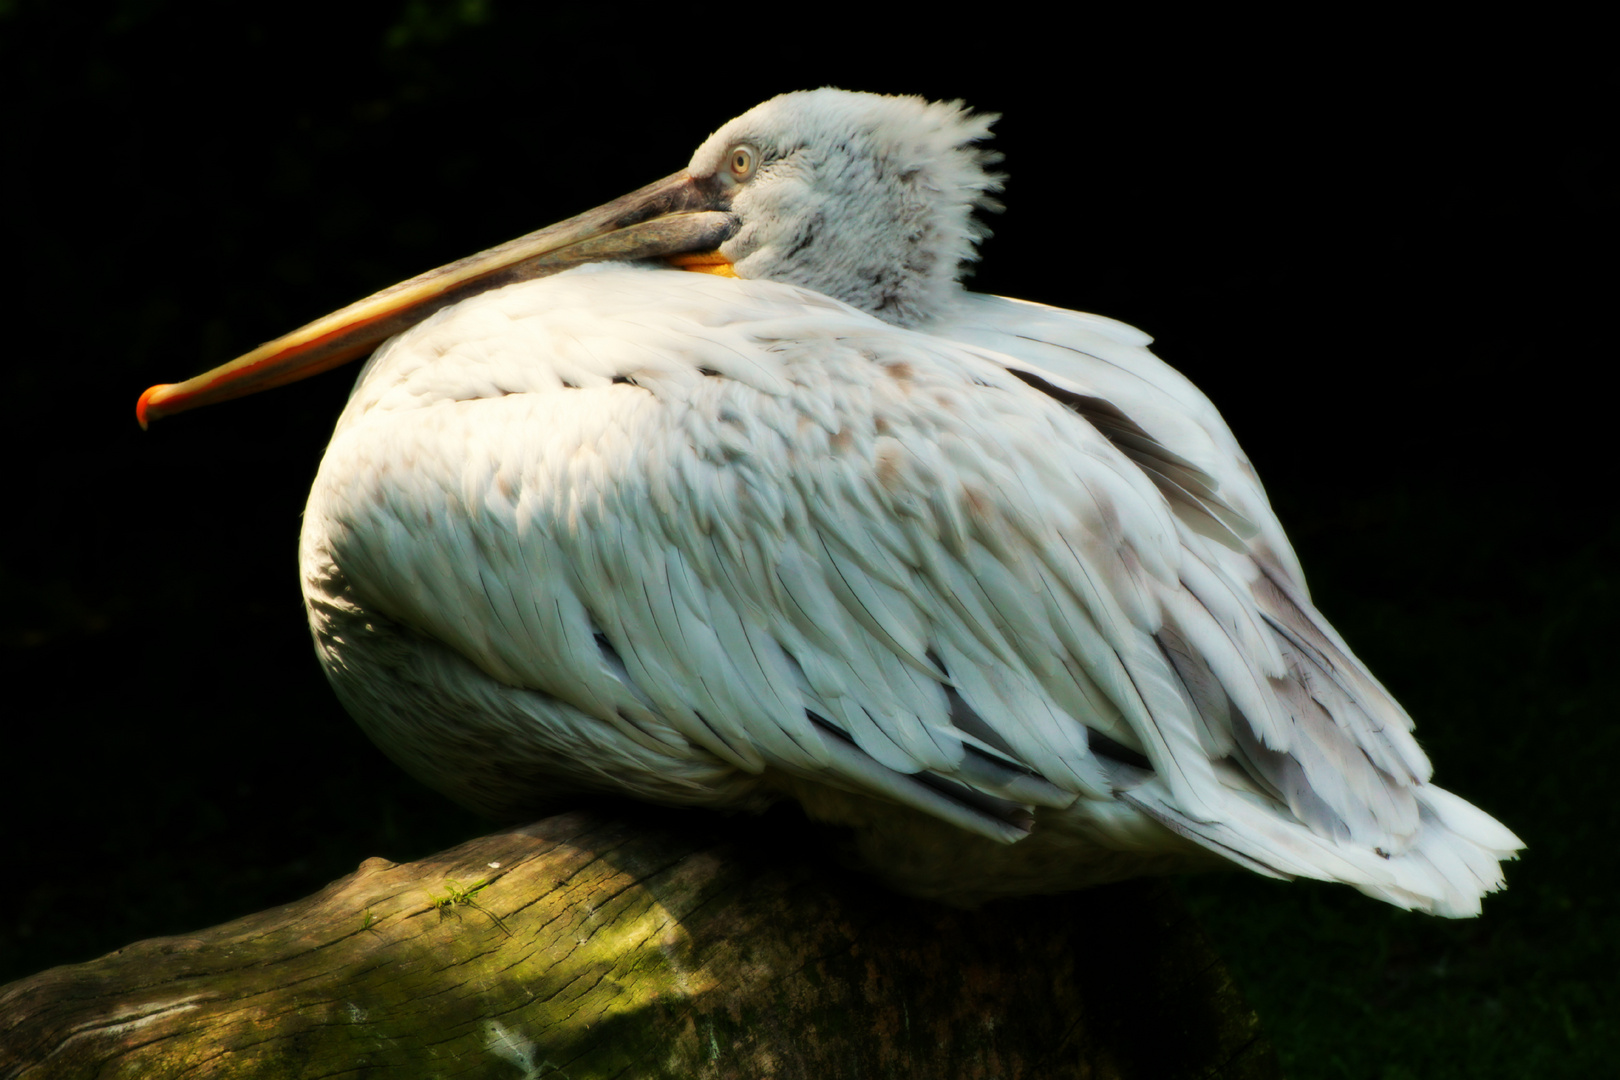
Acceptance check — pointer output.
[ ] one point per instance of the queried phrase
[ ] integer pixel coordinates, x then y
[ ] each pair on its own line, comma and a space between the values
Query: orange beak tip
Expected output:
143, 406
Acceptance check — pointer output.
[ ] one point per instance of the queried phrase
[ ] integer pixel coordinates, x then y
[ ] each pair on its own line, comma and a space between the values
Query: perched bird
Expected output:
983, 580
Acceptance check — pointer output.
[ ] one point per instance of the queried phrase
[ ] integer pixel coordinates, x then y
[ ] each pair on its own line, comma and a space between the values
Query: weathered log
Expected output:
590, 945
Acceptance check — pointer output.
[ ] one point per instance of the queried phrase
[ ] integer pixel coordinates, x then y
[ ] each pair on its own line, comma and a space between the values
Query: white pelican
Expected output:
983, 580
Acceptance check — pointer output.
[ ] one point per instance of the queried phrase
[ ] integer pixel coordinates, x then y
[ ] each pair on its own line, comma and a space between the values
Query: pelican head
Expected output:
861, 197
865, 198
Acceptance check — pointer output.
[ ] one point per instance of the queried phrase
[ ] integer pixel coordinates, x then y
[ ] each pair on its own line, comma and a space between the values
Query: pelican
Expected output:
727, 492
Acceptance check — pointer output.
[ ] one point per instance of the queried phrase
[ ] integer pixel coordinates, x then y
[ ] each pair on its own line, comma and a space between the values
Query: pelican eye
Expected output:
741, 161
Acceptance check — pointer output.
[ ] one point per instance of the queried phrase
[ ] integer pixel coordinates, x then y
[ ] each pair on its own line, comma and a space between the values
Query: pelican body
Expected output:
985, 581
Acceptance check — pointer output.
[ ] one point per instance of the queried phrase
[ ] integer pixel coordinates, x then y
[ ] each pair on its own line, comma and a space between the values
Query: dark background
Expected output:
1381, 248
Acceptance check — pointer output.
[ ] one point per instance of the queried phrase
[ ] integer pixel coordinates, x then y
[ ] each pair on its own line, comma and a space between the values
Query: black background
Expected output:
1383, 249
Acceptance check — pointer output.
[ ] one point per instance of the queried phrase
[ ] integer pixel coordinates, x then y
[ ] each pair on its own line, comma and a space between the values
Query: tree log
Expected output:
606, 945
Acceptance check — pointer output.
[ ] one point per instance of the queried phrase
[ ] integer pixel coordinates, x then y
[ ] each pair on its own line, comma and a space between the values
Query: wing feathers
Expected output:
926, 570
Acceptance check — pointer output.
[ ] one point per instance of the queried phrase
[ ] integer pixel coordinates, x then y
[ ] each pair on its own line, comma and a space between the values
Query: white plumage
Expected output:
982, 579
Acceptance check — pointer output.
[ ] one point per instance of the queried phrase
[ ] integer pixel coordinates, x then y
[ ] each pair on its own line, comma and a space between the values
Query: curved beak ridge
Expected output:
673, 216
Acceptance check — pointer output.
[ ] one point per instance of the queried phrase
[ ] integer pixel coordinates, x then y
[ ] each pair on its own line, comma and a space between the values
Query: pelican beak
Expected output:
679, 216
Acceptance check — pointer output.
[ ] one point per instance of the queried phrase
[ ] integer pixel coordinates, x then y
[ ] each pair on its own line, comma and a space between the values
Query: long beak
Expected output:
674, 216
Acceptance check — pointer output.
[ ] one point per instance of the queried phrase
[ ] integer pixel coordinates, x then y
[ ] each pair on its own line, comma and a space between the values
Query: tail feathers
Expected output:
1453, 862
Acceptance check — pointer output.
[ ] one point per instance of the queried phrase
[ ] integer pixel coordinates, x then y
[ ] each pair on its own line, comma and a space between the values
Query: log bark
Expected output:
609, 945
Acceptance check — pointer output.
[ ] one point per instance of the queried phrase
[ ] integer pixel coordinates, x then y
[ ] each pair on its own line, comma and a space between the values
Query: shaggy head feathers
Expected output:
862, 197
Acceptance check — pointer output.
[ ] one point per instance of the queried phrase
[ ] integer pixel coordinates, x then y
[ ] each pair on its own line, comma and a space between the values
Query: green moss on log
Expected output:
589, 946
